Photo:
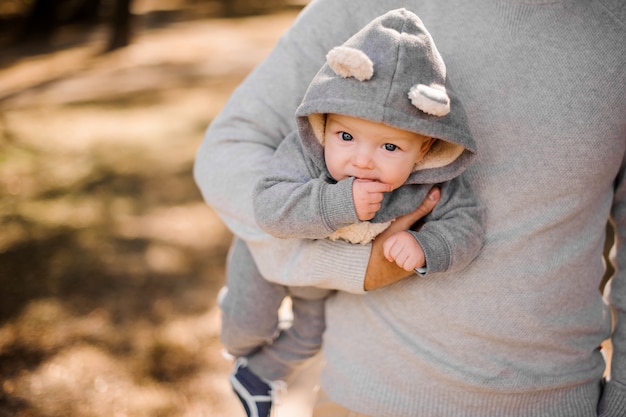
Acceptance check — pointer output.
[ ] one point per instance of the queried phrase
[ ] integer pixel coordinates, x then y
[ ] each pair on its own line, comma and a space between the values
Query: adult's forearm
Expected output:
321, 263
380, 272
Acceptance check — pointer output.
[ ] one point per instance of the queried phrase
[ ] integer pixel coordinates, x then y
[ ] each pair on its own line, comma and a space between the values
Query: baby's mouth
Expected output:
366, 178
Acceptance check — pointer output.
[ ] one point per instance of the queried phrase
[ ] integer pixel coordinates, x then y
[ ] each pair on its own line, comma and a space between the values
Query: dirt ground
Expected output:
109, 259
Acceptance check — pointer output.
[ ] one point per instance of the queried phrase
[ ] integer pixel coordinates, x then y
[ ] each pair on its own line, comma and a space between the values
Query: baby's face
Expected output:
373, 151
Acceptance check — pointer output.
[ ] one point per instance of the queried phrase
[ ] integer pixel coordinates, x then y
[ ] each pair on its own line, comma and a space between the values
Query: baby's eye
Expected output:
345, 136
390, 147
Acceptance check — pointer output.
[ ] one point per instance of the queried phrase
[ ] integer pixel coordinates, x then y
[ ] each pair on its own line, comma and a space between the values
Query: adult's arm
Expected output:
381, 272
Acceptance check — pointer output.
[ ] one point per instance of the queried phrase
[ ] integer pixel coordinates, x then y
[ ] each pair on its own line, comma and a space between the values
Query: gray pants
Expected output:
250, 321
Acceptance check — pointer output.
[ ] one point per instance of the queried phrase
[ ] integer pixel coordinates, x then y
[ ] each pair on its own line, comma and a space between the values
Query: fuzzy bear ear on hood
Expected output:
350, 62
431, 99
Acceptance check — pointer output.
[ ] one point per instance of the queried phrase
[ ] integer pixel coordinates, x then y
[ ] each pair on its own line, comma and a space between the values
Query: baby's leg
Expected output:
299, 342
249, 306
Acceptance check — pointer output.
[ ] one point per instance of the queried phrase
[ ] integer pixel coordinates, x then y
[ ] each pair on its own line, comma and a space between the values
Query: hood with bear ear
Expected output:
391, 72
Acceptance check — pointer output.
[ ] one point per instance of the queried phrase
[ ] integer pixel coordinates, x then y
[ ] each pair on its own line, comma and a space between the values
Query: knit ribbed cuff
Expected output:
342, 259
337, 205
613, 401
436, 250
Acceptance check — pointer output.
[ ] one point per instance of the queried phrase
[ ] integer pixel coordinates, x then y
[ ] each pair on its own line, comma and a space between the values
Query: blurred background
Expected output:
109, 259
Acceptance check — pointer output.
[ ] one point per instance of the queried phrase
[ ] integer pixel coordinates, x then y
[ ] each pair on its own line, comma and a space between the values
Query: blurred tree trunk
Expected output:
120, 25
87, 11
229, 7
41, 21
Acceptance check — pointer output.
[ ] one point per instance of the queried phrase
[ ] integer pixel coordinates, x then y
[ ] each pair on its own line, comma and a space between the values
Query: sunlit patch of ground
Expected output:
109, 259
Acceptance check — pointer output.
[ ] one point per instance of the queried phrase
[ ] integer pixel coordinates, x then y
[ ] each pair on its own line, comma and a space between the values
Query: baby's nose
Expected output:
363, 159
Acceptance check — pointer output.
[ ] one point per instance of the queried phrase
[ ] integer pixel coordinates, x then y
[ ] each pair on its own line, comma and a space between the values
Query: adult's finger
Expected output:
405, 222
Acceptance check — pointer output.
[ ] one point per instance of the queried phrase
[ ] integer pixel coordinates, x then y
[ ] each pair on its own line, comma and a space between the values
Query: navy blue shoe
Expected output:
255, 393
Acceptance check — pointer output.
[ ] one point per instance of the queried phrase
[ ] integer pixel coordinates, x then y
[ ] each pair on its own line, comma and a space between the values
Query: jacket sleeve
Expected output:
613, 401
295, 200
452, 234
241, 141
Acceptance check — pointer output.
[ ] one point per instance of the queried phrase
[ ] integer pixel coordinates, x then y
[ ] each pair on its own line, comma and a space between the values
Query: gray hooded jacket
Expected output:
389, 72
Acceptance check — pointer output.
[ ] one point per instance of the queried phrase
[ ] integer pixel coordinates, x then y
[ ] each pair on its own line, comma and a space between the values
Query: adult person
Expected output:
517, 332
377, 129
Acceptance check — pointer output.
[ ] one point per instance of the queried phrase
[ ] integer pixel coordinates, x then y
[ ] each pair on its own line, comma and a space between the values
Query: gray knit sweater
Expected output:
516, 333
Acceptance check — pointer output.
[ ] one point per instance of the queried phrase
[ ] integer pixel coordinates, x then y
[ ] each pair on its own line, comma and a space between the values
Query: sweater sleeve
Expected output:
241, 141
613, 402
452, 234
295, 199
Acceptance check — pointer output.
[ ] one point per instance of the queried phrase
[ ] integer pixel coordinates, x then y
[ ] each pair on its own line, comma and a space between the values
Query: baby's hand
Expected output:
367, 196
404, 250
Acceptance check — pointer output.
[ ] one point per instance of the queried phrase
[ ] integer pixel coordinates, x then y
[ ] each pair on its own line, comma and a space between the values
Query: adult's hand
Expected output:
380, 272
